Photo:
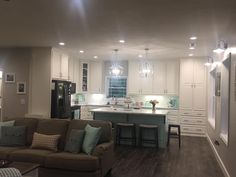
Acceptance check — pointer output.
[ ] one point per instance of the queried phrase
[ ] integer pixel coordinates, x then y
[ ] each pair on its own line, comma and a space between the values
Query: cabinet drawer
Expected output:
173, 112
192, 129
185, 112
172, 120
199, 113
192, 121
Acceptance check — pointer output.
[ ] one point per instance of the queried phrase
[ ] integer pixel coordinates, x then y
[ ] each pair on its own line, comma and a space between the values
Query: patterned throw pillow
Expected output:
48, 142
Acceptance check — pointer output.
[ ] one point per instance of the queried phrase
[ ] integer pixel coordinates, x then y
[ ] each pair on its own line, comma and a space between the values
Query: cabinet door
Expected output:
199, 72
56, 64
186, 71
146, 85
199, 97
76, 68
186, 96
64, 66
71, 70
95, 82
159, 77
133, 78
172, 68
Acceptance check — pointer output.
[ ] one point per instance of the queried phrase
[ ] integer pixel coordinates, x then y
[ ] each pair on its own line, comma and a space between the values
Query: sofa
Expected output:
61, 163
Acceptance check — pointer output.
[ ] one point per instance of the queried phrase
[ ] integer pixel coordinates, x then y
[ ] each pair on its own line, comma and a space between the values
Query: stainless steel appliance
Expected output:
60, 99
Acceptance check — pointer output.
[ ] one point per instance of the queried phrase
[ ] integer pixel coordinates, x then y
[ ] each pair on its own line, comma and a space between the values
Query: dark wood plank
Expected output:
194, 159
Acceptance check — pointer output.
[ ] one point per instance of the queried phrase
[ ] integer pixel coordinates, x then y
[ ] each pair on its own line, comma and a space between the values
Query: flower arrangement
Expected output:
153, 102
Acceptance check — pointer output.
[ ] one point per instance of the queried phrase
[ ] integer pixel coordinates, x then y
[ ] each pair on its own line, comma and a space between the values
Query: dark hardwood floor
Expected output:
194, 159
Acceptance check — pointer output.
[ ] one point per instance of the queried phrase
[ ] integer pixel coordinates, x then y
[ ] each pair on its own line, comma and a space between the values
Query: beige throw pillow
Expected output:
41, 141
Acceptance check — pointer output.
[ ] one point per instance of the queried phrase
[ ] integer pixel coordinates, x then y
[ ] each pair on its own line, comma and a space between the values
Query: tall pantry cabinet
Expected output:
192, 96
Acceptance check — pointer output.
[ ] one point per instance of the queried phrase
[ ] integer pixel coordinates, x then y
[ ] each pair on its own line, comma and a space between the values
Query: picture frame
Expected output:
21, 88
10, 77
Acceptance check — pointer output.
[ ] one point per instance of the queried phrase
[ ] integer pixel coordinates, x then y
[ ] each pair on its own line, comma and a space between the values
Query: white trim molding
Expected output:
222, 166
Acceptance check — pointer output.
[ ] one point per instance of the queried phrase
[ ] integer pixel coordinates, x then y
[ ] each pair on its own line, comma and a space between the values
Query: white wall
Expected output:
40, 82
226, 153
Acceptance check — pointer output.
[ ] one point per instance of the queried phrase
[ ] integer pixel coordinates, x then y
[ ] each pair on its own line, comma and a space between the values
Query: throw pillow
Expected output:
13, 136
48, 142
8, 123
91, 138
75, 141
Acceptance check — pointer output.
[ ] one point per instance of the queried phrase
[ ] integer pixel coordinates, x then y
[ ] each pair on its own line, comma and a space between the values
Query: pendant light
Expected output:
116, 69
209, 61
221, 47
145, 66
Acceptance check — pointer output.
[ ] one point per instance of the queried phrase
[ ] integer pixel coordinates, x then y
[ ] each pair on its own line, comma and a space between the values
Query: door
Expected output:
159, 77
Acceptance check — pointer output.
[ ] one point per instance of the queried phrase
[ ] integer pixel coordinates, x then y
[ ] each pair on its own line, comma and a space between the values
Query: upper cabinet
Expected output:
165, 77
96, 77
59, 65
163, 81
136, 83
193, 84
74, 69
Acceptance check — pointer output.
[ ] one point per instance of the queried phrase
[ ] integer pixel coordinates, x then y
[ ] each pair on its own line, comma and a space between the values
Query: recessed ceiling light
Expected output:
190, 54
192, 46
193, 38
61, 43
122, 41
95, 56
140, 56
81, 51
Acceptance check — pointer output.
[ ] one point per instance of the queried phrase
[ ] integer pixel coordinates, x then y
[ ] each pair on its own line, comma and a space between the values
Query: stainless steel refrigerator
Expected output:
60, 99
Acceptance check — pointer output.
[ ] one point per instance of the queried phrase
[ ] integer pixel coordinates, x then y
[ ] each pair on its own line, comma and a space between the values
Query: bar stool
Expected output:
151, 141
122, 126
172, 134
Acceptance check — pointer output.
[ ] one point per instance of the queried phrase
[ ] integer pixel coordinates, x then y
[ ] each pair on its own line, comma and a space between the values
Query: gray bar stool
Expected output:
119, 129
151, 141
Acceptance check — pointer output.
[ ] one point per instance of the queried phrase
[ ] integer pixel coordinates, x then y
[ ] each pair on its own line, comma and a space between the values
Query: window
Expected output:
116, 87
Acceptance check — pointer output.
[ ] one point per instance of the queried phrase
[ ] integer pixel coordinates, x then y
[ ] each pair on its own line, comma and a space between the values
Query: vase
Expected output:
153, 107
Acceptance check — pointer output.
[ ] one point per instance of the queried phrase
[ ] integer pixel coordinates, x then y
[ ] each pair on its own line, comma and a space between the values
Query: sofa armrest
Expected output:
103, 148
105, 153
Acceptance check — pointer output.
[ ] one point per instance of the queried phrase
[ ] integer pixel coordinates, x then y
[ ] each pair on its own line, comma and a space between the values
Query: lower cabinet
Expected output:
192, 123
85, 112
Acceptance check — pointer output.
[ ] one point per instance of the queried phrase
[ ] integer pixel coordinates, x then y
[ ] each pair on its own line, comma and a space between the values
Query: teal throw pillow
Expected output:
75, 141
13, 136
8, 123
91, 138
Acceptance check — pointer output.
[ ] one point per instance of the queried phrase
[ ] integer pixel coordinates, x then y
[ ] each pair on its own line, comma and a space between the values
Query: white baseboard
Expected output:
222, 166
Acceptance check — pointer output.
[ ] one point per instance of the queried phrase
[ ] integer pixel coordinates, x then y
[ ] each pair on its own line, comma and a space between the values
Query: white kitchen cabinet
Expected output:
136, 83
192, 96
165, 80
96, 81
84, 76
193, 84
74, 72
59, 65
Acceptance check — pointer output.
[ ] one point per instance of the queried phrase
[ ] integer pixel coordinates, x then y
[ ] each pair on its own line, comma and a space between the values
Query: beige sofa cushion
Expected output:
70, 161
48, 142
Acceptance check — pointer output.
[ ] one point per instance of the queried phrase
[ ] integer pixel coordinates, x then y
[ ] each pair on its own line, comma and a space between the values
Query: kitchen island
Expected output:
136, 116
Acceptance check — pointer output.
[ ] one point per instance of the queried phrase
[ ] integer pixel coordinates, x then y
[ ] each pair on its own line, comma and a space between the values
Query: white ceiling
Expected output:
96, 26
